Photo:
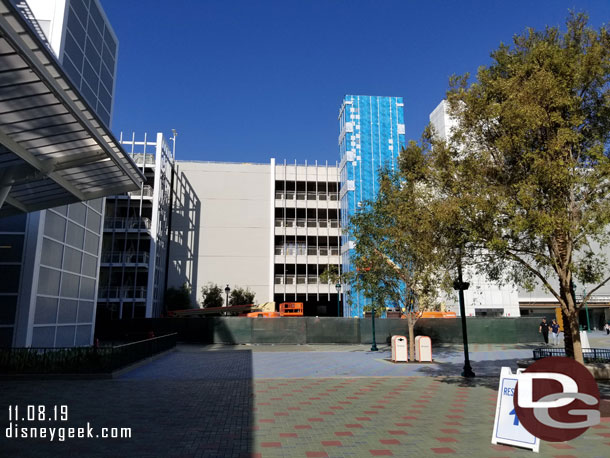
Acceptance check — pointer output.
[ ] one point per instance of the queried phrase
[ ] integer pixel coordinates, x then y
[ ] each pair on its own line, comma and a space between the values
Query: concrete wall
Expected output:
310, 330
231, 243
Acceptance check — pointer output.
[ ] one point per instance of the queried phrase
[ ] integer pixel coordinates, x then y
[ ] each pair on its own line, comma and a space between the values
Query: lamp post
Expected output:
338, 286
227, 291
374, 346
461, 286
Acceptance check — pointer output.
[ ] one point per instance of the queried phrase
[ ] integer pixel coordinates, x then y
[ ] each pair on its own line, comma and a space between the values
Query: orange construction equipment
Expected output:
291, 309
261, 314
439, 315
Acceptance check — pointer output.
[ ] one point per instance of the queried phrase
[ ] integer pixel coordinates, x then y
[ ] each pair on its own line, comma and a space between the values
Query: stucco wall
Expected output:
231, 243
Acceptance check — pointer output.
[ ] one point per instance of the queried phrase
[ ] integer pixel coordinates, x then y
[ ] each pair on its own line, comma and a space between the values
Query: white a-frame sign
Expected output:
507, 428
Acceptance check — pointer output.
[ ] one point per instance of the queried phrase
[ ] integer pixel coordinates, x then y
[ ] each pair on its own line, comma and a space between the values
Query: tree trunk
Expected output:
411, 324
571, 328
567, 335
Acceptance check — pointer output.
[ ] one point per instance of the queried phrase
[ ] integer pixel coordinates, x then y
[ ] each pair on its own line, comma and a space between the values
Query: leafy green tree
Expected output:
527, 168
399, 256
241, 296
212, 295
178, 298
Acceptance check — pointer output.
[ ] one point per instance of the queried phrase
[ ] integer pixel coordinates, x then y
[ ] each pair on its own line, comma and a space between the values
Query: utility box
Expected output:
423, 348
400, 352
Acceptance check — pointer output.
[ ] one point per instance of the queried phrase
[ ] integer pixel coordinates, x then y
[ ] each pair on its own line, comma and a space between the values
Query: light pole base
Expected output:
468, 372
374, 347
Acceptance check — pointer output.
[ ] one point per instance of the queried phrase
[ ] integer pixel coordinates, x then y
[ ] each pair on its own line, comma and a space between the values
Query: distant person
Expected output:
544, 329
555, 332
607, 328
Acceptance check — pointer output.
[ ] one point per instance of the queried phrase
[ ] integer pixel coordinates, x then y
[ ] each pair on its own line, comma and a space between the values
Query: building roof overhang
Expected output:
54, 150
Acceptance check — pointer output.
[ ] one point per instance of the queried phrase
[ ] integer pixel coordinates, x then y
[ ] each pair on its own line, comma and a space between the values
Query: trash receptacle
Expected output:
423, 348
400, 352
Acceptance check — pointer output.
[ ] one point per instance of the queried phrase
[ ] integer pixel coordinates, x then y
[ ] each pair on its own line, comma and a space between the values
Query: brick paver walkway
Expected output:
194, 403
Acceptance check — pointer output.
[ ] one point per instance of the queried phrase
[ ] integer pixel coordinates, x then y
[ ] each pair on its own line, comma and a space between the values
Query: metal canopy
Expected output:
54, 150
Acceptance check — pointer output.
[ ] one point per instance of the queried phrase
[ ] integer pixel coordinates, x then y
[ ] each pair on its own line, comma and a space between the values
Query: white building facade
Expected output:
271, 228
483, 298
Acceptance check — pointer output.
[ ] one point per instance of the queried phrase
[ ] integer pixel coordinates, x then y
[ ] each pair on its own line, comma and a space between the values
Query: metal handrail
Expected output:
127, 223
146, 191
589, 354
121, 257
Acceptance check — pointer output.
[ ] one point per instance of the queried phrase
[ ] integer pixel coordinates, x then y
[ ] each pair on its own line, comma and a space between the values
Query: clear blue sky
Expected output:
248, 80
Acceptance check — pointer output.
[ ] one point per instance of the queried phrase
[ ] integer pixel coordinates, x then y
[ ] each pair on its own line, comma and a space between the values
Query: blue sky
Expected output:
248, 80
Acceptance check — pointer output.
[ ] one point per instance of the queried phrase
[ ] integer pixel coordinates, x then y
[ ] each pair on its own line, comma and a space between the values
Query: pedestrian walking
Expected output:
555, 332
607, 328
544, 330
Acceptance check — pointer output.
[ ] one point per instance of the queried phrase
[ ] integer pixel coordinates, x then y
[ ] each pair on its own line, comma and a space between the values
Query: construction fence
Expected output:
325, 330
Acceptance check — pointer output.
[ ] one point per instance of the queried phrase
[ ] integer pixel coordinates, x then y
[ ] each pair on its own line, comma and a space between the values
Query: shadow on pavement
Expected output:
206, 411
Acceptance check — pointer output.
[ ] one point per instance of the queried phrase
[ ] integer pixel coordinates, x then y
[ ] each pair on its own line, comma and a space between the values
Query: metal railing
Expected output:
298, 280
310, 223
143, 158
302, 250
122, 292
120, 257
590, 355
302, 195
146, 191
127, 223
81, 359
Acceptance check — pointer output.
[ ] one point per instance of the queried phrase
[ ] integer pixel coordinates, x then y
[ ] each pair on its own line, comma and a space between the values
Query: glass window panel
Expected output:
96, 16
46, 310
74, 51
95, 62
52, 252
72, 71
14, 223
92, 243
67, 311
43, 336
77, 213
90, 96
87, 288
69, 285
8, 306
10, 278
89, 265
11, 247
54, 226
105, 97
83, 336
85, 311
6, 337
103, 114
94, 221
63, 210
65, 336
110, 42
75, 26
72, 260
109, 61
80, 7
96, 204
75, 235
48, 281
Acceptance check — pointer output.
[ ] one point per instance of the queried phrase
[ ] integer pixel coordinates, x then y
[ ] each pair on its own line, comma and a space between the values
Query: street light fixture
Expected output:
338, 286
227, 291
